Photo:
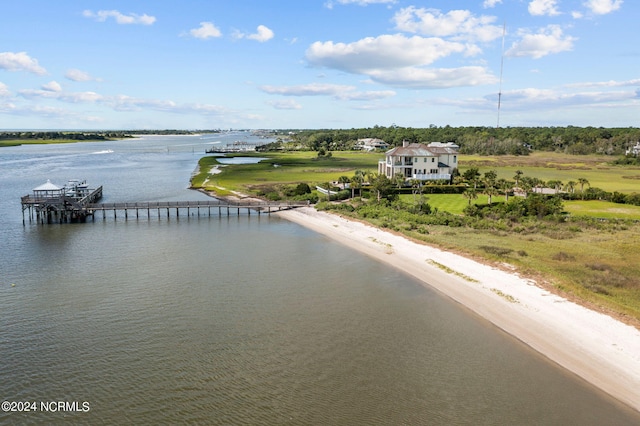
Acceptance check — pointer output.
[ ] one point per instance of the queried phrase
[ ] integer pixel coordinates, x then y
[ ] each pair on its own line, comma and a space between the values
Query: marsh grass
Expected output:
598, 266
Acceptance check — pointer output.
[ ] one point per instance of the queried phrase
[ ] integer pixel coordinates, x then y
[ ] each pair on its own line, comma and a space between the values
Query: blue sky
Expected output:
203, 64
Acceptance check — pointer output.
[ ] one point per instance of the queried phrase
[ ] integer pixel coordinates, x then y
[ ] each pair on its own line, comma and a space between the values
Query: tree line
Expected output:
92, 135
481, 140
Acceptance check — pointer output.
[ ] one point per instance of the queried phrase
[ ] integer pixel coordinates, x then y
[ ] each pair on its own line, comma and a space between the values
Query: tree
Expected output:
470, 194
471, 175
505, 186
571, 186
356, 183
555, 184
344, 180
490, 178
381, 184
583, 182
416, 188
517, 177
398, 180
490, 191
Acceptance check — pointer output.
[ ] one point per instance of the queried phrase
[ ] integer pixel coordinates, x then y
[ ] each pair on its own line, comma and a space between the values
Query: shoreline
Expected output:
596, 347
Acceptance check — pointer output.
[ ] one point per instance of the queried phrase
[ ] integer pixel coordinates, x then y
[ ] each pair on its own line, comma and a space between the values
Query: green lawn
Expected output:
279, 168
553, 166
602, 209
452, 203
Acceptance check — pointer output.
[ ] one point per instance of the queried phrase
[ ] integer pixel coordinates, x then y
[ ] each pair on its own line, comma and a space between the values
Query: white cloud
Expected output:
52, 86
611, 83
547, 41
78, 75
205, 30
490, 3
435, 78
262, 34
120, 18
337, 91
313, 89
383, 52
543, 7
603, 7
285, 104
331, 3
371, 95
457, 24
4, 90
524, 99
20, 62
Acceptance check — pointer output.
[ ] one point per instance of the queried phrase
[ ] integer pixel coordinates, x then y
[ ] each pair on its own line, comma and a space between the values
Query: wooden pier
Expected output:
189, 208
74, 202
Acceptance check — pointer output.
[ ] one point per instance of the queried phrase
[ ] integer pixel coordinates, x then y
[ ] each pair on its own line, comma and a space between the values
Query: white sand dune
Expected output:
594, 346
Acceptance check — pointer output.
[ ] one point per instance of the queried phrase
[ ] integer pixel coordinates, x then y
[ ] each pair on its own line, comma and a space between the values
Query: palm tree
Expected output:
344, 180
470, 194
416, 188
505, 186
398, 180
517, 177
571, 186
490, 191
356, 182
381, 184
555, 184
583, 182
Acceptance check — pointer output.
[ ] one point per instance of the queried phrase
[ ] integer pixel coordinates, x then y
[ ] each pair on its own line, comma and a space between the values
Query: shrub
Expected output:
562, 256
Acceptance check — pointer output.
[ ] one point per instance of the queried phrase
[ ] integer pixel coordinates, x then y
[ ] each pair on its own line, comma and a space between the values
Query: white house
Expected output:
371, 144
634, 150
435, 161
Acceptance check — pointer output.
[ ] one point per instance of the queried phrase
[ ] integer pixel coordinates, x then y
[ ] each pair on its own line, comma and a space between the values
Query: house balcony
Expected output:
432, 176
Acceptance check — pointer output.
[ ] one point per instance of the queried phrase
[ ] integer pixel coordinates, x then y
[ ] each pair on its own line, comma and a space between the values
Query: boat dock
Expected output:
237, 146
75, 202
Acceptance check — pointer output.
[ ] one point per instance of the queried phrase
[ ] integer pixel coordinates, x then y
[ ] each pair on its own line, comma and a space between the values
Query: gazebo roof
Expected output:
48, 186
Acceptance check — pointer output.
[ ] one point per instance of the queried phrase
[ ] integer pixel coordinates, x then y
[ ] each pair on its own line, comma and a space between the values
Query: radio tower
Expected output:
504, 30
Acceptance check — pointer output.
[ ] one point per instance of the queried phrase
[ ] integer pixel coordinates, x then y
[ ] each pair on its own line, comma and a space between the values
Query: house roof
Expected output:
47, 186
413, 150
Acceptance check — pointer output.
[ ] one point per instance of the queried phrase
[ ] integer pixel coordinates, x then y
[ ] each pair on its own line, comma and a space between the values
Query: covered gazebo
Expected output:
48, 190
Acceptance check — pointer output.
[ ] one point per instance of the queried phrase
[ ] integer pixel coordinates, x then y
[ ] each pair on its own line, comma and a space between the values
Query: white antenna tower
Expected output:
504, 30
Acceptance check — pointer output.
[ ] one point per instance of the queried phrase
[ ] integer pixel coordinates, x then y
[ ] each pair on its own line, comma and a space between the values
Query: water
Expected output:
240, 319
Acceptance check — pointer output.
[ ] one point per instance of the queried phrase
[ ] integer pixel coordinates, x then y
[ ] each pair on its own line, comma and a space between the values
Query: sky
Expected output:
284, 64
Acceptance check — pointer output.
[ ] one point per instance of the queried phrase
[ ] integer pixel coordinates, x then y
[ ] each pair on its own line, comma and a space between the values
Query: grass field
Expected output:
553, 166
280, 168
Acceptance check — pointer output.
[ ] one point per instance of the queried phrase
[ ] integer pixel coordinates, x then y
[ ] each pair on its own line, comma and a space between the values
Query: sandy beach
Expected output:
603, 351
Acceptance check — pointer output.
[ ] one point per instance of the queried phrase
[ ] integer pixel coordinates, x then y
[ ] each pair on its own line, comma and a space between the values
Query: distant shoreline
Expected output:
596, 347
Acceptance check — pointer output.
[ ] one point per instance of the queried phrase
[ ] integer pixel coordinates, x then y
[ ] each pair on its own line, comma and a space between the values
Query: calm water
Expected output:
239, 320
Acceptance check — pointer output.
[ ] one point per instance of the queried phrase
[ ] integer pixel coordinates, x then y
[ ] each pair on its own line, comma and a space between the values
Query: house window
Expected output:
433, 159
424, 160
455, 158
434, 171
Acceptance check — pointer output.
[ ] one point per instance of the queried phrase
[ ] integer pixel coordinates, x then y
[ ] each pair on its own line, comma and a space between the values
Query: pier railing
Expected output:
208, 207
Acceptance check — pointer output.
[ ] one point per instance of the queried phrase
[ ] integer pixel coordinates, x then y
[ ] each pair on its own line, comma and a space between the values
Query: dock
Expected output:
75, 202
237, 146
51, 203
188, 208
